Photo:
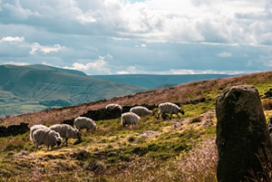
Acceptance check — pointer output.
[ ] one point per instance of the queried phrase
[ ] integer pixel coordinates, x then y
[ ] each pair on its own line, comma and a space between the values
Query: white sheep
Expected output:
114, 107
84, 122
47, 137
141, 111
130, 118
169, 108
34, 128
66, 131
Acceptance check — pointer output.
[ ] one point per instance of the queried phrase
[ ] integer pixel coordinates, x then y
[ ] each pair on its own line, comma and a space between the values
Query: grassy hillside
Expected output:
41, 66
158, 81
155, 150
32, 88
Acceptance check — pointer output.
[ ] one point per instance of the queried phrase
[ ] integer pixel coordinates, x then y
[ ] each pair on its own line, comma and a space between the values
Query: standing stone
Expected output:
241, 133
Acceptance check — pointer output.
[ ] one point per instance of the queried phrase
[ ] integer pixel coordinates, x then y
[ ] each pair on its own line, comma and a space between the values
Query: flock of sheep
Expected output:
53, 135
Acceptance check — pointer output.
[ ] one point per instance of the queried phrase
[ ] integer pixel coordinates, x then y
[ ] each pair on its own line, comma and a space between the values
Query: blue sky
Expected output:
138, 37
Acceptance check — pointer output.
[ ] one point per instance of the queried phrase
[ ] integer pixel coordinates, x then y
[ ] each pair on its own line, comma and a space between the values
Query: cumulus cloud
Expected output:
153, 20
182, 36
45, 49
92, 67
15, 10
131, 70
84, 19
12, 39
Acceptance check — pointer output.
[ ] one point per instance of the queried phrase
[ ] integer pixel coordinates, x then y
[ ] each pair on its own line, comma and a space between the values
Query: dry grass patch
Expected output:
197, 165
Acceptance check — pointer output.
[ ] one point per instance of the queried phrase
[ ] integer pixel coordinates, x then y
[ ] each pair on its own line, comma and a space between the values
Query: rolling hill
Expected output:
33, 88
37, 87
158, 81
169, 150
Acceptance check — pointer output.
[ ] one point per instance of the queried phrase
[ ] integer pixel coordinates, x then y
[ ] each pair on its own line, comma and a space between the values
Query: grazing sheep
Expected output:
66, 131
130, 118
170, 108
34, 128
84, 122
141, 111
114, 107
47, 137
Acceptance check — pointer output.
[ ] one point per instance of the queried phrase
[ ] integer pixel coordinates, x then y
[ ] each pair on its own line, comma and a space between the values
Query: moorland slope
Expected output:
155, 150
158, 81
33, 88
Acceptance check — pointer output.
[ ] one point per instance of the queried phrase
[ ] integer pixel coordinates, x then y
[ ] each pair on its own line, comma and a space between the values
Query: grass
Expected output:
101, 154
177, 149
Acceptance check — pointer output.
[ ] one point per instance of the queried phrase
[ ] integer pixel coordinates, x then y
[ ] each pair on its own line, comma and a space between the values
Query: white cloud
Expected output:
189, 34
131, 70
122, 72
17, 63
153, 20
17, 11
45, 49
12, 39
95, 67
142, 45
225, 54
185, 72
47, 64
84, 19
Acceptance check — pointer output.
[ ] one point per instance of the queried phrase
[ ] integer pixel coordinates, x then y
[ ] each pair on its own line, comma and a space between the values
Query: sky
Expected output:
104, 37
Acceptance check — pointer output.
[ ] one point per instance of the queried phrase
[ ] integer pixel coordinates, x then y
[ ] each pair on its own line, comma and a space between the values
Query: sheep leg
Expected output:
159, 113
66, 141
178, 115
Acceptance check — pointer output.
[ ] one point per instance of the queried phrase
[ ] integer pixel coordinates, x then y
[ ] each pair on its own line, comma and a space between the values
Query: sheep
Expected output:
84, 122
113, 107
141, 111
130, 118
47, 137
170, 108
66, 131
34, 128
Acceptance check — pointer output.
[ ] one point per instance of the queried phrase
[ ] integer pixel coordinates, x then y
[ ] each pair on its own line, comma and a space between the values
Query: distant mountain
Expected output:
158, 81
37, 87
41, 66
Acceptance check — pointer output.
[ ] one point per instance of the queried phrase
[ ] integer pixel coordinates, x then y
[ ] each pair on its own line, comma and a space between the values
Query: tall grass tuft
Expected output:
265, 159
198, 165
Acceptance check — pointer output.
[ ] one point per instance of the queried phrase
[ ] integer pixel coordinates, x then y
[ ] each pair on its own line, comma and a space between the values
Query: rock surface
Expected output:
241, 133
